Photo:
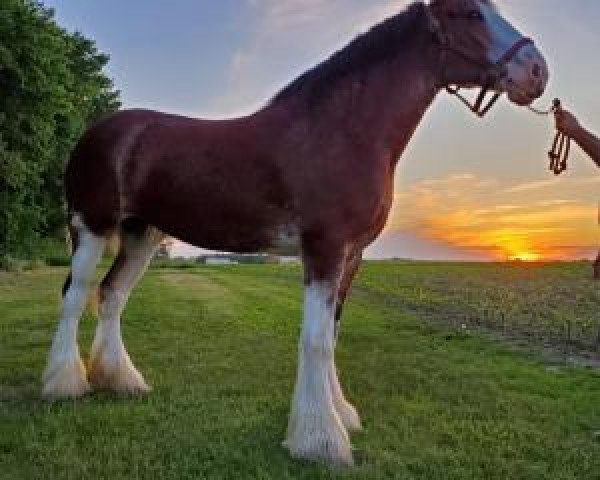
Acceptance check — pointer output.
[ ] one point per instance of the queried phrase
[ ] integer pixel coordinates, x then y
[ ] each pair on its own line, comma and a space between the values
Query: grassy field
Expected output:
439, 400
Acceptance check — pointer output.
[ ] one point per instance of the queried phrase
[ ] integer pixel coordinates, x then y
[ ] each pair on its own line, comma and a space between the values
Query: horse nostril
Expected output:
537, 70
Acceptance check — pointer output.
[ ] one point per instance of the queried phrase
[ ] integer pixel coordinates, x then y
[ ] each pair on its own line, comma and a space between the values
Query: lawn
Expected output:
439, 396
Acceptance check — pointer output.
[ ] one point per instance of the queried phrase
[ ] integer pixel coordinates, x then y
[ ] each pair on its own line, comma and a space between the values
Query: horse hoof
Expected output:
311, 440
67, 381
122, 378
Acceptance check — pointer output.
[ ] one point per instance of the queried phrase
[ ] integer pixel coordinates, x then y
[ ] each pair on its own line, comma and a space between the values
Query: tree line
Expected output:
52, 86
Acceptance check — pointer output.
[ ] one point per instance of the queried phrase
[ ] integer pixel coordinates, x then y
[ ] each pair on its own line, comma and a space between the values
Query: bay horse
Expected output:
311, 172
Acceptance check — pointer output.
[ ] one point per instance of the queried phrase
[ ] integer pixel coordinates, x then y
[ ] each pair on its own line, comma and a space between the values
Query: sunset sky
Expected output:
465, 189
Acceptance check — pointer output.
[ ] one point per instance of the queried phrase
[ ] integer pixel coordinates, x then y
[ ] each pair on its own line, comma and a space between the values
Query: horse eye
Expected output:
475, 15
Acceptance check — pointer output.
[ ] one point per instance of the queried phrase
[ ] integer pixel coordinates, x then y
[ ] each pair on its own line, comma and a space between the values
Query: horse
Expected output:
310, 172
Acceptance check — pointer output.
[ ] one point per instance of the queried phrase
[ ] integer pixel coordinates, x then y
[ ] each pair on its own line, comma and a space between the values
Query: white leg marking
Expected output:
65, 375
110, 365
348, 414
315, 430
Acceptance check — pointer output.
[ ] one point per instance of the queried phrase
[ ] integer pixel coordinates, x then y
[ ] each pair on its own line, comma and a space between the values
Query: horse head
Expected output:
480, 48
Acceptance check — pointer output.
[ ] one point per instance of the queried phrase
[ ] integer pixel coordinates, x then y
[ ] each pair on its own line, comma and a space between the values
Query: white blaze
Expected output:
502, 33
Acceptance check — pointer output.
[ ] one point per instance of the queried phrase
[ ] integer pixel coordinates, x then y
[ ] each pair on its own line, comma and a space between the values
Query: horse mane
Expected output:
382, 43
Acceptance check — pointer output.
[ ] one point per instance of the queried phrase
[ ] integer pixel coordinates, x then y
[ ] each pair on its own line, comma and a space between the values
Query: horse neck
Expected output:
380, 110
392, 104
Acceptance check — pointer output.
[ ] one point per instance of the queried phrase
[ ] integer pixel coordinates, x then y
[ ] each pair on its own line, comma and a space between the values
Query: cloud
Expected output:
286, 38
529, 186
281, 15
554, 182
472, 213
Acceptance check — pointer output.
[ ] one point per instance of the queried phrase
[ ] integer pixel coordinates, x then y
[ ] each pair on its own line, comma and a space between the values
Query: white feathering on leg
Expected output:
110, 365
65, 375
315, 430
348, 414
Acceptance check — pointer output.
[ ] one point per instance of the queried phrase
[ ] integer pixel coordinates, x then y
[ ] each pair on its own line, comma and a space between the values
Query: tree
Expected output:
52, 86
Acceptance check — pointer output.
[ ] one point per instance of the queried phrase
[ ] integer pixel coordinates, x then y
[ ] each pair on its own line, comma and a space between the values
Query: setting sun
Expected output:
526, 257
530, 222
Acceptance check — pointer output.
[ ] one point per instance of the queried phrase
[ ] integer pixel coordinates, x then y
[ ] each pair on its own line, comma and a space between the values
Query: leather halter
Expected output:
491, 75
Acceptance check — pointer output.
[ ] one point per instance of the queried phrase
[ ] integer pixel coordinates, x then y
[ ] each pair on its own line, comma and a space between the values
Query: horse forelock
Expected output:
380, 44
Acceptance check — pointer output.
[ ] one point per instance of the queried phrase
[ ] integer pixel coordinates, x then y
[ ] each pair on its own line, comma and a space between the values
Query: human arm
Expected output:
567, 123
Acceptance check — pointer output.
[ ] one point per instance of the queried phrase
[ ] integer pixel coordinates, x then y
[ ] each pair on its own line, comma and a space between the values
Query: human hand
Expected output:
566, 123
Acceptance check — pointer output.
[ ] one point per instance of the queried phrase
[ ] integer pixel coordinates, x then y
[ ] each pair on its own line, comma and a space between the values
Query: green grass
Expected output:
552, 305
218, 344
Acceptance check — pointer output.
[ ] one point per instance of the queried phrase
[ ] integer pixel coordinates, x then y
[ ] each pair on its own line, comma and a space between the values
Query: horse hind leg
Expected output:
110, 366
65, 374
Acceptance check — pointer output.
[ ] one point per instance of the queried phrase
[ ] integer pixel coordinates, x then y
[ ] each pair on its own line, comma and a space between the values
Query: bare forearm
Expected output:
589, 143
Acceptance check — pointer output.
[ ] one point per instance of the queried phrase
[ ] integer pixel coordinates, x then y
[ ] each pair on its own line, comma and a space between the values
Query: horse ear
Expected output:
432, 20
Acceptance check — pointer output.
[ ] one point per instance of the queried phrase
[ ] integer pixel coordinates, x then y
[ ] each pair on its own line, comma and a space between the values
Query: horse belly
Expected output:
243, 239
231, 226
239, 238
215, 201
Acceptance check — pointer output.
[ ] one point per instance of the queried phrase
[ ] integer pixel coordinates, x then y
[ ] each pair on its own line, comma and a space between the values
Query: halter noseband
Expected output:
492, 74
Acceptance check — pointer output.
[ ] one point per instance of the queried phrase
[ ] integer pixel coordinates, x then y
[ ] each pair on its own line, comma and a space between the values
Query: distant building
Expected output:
245, 259
288, 260
219, 260
172, 249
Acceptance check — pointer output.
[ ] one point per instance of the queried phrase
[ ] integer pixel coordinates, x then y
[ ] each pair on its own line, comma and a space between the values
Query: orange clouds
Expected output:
554, 219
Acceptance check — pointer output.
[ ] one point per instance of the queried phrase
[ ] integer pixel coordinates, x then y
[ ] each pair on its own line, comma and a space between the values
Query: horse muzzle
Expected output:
526, 76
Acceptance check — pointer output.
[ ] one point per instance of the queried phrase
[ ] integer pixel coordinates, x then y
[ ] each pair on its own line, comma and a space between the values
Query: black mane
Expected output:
380, 44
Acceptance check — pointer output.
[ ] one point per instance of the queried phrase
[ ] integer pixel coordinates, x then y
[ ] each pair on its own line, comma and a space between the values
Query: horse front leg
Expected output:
597, 267
315, 429
345, 409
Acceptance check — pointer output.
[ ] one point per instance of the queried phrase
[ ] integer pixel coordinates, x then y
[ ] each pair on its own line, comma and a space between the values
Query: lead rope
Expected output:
561, 146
